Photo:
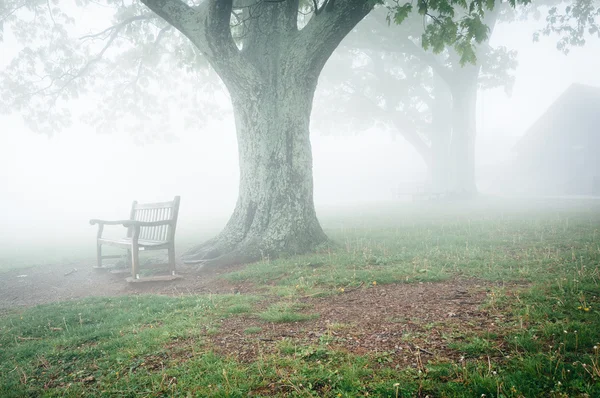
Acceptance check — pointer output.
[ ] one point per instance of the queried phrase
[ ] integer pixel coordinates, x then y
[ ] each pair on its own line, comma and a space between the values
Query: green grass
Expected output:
252, 330
285, 313
547, 342
498, 245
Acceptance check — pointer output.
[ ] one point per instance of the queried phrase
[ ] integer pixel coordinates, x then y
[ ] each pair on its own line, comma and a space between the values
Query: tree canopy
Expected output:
140, 61
573, 22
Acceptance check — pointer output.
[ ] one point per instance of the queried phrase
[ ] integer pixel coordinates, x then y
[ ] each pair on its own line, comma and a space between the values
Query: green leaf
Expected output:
402, 13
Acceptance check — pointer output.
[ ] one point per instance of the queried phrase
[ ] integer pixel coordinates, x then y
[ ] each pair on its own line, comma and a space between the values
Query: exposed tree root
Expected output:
203, 252
215, 253
224, 260
220, 253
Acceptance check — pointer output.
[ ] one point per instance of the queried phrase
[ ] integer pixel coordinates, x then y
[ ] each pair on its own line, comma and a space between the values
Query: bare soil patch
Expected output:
400, 324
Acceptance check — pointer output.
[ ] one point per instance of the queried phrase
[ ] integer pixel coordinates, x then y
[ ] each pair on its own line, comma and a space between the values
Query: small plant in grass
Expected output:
212, 330
239, 309
384, 357
314, 353
474, 347
253, 330
336, 326
287, 347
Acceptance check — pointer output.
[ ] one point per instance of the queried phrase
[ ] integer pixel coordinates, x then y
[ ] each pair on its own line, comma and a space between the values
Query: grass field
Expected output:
538, 261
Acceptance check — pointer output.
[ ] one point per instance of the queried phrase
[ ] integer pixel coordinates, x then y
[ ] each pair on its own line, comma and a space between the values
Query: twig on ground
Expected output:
425, 351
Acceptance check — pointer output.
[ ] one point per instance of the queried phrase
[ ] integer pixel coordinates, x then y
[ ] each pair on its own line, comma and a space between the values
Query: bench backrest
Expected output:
156, 212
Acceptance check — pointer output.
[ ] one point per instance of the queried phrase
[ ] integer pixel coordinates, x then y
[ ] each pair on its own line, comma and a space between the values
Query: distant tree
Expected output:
429, 99
268, 53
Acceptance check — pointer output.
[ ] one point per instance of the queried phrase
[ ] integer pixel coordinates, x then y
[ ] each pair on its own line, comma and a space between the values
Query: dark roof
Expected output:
570, 119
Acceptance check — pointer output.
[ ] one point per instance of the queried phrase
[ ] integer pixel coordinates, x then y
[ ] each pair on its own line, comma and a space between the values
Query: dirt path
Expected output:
71, 281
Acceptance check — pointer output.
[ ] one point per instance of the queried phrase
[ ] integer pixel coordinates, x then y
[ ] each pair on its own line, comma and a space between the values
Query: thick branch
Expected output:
325, 30
184, 18
404, 126
207, 26
409, 132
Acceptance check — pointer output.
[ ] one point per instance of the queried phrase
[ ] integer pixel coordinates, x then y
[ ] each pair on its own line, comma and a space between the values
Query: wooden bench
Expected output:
151, 226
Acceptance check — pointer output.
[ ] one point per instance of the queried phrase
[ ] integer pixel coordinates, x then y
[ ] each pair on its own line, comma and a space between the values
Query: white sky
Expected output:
51, 186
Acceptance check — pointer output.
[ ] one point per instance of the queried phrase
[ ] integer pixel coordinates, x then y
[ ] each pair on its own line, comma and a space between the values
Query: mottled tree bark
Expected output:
464, 124
275, 212
441, 131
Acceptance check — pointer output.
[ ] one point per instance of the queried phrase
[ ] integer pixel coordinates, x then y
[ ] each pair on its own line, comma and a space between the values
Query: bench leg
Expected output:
135, 262
99, 255
172, 259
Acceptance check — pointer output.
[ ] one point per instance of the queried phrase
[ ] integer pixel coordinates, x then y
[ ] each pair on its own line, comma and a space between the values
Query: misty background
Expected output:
52, 186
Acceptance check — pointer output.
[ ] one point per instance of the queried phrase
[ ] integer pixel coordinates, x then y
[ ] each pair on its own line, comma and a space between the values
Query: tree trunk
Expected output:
464, 123
275, 212
464, 85
441, 129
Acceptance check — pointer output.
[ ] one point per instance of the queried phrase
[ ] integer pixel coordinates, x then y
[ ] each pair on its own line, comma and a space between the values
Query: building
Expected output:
560, 153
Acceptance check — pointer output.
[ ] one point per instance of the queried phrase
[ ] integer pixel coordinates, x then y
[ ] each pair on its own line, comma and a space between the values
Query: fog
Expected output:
52, 186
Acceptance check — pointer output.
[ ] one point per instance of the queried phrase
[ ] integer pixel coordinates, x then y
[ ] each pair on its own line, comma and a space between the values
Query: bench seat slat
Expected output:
126, 242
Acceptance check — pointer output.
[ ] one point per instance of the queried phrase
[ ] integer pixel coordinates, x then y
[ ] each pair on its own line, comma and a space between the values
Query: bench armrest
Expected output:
136, 225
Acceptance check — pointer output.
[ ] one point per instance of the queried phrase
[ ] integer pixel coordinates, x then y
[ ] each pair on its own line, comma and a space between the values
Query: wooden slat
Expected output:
139, 216
148, 230
154, 205
145, 216
162, 228
157, 228
155, 217
155, 234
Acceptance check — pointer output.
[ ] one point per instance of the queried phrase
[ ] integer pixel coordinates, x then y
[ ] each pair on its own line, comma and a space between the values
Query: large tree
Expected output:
268, 53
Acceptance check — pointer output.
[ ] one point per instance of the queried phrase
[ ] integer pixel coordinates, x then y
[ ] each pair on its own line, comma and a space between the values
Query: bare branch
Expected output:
11, 12
408, 46
72, 75
50, 12
119, 26
159, 37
